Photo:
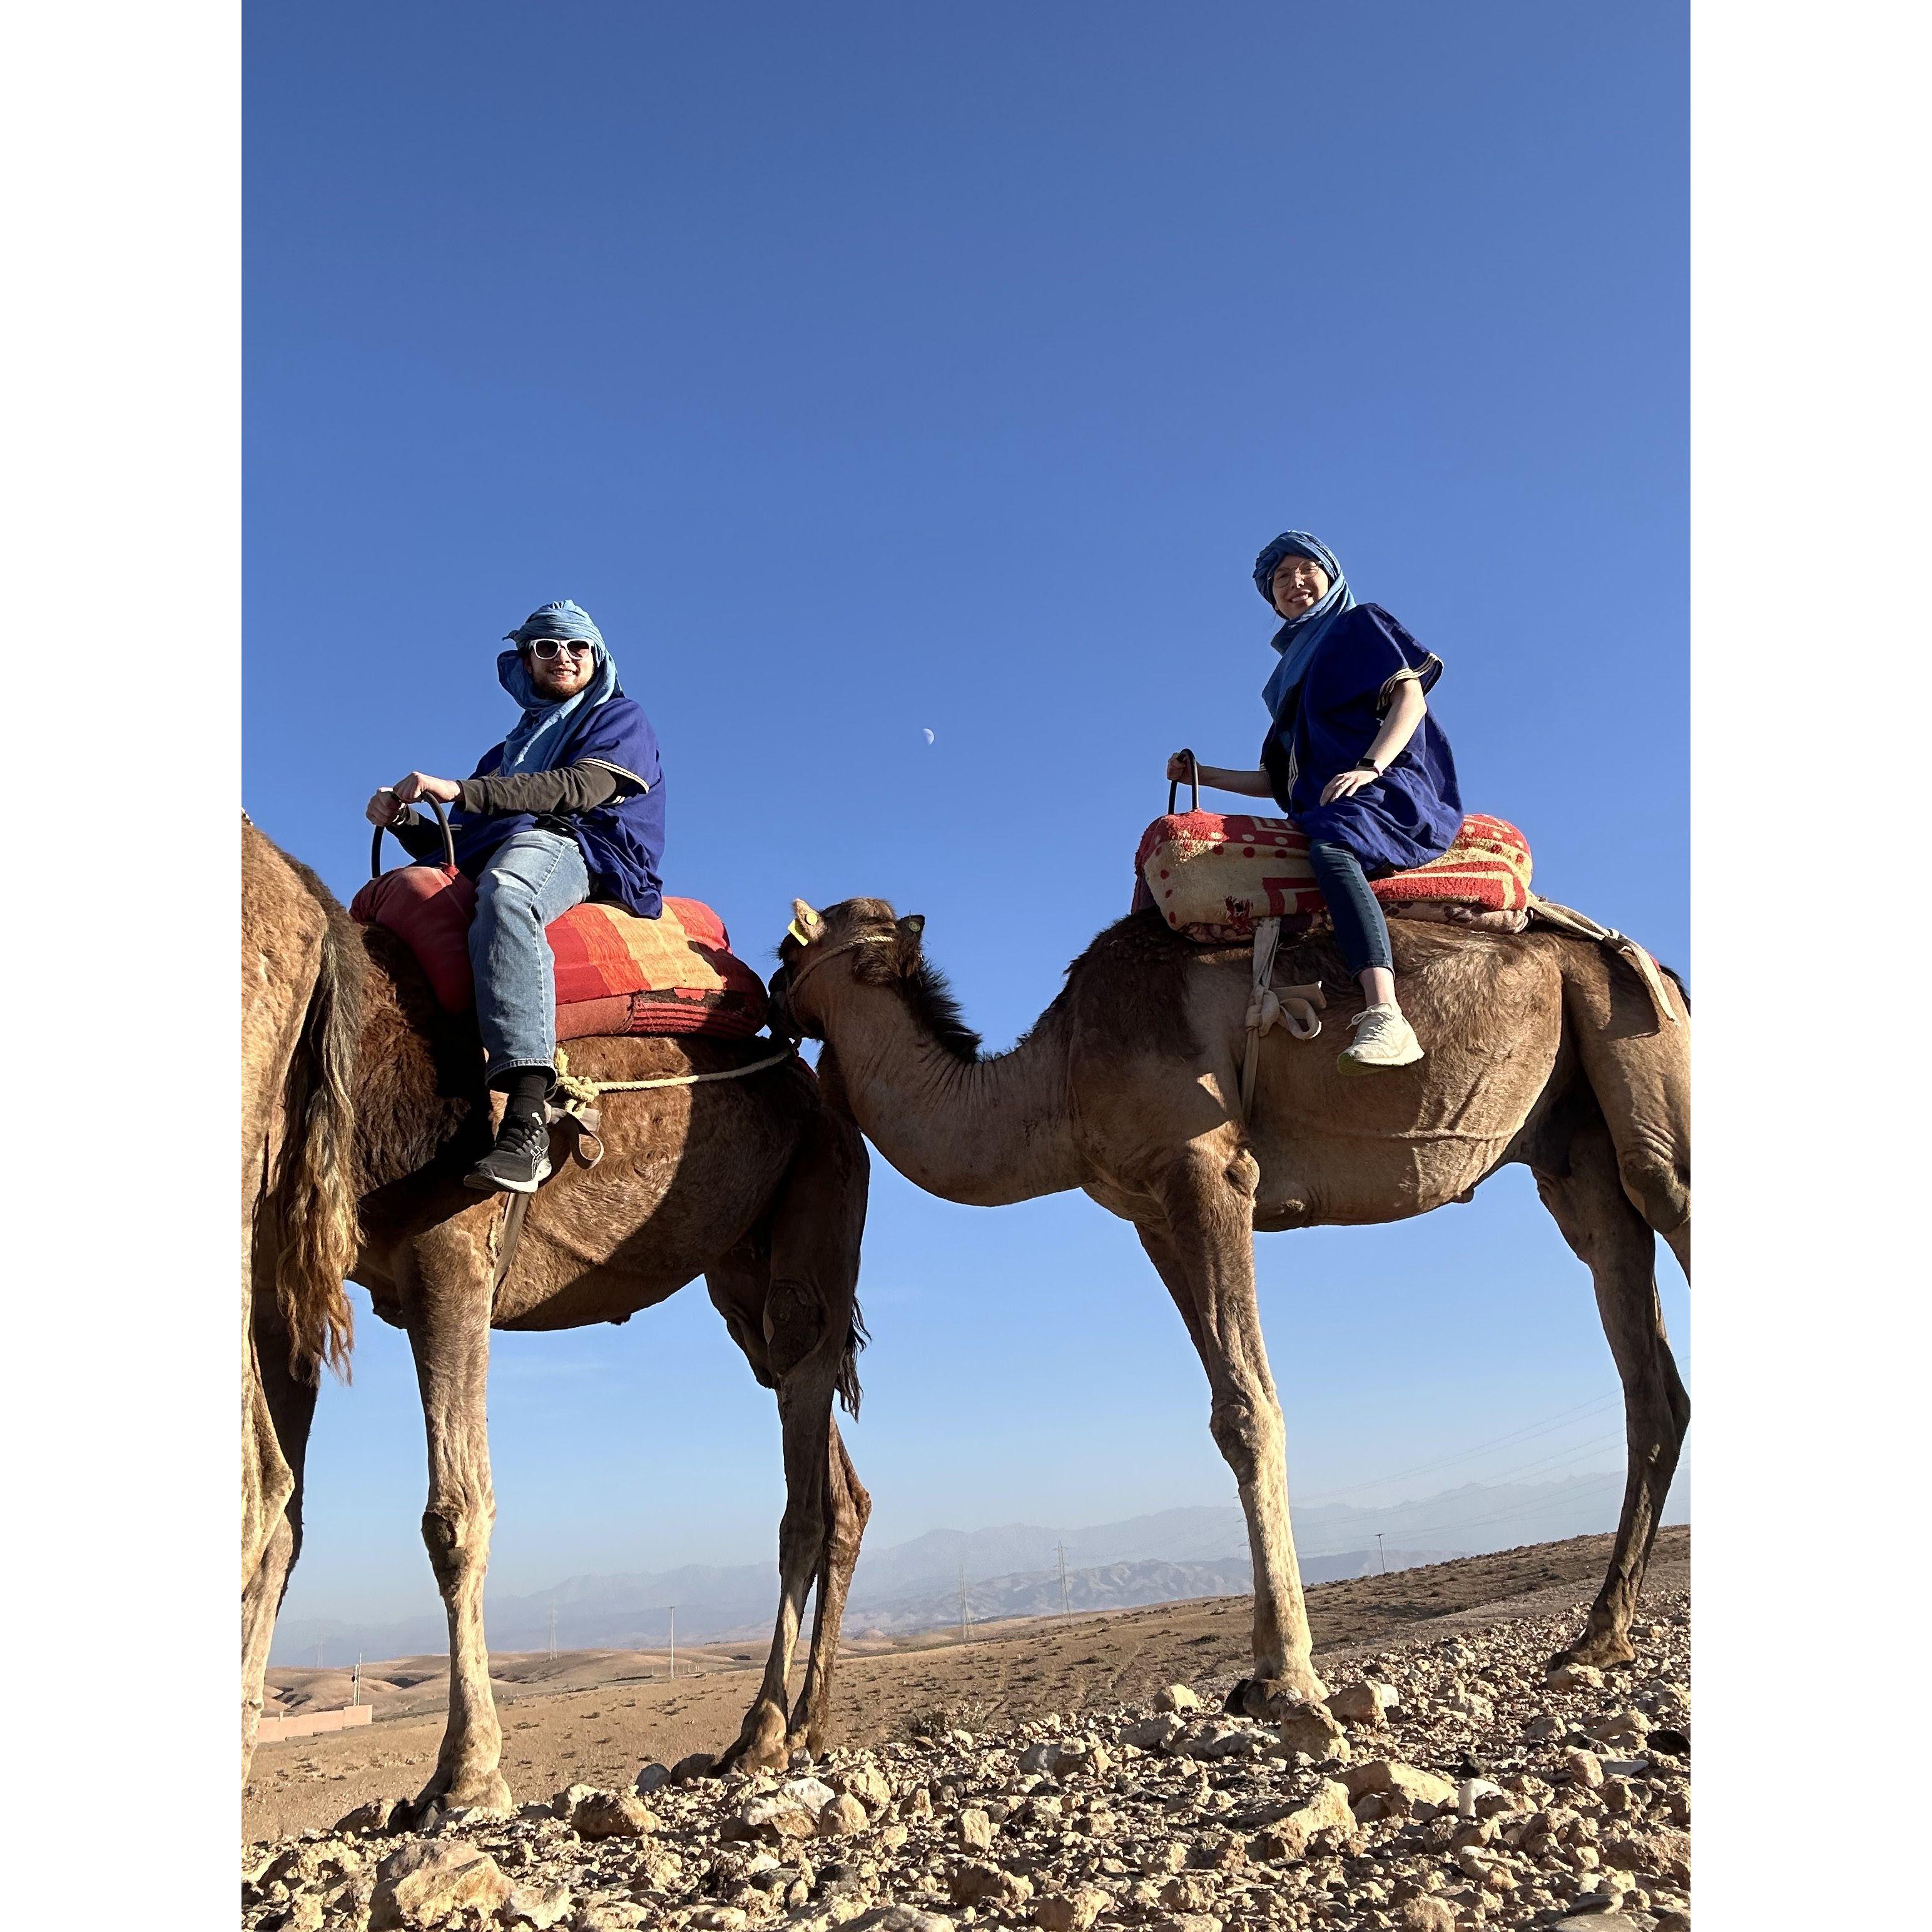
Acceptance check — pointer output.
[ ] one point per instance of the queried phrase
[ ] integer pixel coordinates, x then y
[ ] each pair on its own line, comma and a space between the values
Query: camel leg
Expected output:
287, 1408
1592, 1206
449, 1336
847, 1507
1205, 1255
799, 1348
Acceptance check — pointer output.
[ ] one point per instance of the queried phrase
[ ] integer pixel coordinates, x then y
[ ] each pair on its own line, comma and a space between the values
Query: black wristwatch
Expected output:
1366, 764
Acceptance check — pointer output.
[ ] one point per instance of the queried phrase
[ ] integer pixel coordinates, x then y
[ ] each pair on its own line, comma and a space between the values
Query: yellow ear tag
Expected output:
792, 932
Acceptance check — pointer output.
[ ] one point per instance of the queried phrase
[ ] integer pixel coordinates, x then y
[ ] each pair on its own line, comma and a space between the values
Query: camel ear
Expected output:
806, 926
912, 925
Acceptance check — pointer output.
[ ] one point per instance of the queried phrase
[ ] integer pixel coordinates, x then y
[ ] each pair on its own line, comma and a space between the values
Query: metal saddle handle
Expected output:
449, 842
1193, 780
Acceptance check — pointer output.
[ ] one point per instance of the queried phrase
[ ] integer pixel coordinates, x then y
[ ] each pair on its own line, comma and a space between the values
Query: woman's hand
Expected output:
1346, 785
420, 785
1181, 768
384, 807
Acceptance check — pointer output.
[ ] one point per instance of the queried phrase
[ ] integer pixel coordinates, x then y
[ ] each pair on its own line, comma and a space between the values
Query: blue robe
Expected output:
1412, 813
623, 842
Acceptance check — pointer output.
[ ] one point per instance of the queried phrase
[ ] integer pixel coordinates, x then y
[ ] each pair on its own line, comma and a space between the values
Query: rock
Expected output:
1576, 1677
1175, 1697
652, 1777
1627, 1727
978, 1884
424, 1885
976, 1831
538, 1906
1383, 1774
901, 1918
375, 1815
842, 1816
1072, 1911
1424, 1914
1668, 1739
304, 1913
867, 1783
658, 1870
1673, 1921
1312, 1732
1366, 1703
1470, 1791
1213, 1742
1155, 1734
717, 1919
1583, 1767
1188, 1922
1327, 1811
1182, 1893
775, 1818
699, 1764
613, 1814
566, 1801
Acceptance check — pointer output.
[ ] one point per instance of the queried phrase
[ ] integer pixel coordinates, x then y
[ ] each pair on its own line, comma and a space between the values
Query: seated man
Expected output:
569, 806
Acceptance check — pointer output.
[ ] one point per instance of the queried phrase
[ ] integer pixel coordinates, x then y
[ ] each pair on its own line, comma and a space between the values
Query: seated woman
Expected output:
1354, 757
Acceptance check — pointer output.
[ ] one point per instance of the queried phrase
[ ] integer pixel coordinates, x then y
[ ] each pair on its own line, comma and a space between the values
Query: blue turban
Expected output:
538, 735
1298, 637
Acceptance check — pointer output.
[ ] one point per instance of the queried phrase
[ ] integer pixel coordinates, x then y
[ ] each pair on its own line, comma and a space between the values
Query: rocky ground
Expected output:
1449, 1782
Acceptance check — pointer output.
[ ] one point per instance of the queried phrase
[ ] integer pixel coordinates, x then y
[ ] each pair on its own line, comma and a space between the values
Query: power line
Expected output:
1525, 1434
965, 1621
1065, 1599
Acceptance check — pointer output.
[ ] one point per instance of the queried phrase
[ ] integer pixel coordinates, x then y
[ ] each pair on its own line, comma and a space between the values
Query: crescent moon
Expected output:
928, 735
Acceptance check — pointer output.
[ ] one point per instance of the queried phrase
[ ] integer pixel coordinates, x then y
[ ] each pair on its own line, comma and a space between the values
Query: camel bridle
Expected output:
795, 978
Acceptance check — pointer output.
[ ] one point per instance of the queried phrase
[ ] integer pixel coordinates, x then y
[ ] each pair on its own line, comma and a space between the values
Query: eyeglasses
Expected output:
547, 648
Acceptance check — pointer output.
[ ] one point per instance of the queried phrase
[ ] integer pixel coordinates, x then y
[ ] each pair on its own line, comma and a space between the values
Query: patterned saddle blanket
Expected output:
615, 973
1213, 874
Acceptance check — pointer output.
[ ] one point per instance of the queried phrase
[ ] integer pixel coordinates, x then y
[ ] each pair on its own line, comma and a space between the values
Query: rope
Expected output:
583, 1092
1292, 1006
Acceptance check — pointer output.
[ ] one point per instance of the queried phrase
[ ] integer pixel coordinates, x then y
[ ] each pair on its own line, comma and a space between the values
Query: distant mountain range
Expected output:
1012, 1570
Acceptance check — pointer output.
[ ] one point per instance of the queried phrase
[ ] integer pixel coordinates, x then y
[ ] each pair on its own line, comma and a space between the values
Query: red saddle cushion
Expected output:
1213, 873
616, 973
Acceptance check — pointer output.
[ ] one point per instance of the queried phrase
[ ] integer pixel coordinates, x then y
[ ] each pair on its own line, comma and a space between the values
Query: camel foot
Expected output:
1274, 1698
1601, 1649
762, 1745
483, 1791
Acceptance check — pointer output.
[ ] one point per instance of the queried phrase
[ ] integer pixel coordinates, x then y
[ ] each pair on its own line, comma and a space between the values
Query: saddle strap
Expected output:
1269, 1006
1567, 919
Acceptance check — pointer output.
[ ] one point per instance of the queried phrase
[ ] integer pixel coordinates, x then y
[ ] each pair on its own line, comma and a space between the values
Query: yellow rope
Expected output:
574, 1090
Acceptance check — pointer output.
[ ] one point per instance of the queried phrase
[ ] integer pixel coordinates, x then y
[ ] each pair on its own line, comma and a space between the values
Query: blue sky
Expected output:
875, 370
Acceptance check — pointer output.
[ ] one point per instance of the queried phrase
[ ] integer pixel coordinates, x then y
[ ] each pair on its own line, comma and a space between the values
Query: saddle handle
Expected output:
1193, 780
449, 842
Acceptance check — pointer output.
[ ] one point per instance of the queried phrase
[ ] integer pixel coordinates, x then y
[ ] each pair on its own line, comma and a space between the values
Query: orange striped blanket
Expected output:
1212, 873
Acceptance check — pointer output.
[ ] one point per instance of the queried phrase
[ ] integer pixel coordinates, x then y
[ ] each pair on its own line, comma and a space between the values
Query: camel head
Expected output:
857, 942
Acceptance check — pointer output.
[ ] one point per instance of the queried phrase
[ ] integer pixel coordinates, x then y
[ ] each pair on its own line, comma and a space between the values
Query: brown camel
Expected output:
1541, 1049
754, 1182
300, 982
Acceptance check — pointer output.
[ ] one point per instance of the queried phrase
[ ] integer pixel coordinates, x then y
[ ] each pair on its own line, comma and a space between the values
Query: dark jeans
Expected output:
1360, 931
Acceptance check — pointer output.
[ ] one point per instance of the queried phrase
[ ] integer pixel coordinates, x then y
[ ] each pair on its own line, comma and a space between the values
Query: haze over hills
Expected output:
1012, 1570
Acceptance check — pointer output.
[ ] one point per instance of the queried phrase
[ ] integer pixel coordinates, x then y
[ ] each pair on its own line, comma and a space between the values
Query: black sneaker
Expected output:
519, 1161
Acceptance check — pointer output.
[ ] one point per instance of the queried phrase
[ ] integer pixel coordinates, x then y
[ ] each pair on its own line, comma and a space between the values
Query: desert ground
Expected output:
594, 1717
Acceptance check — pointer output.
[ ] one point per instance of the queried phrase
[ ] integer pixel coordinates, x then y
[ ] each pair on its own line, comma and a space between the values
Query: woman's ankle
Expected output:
1377, 985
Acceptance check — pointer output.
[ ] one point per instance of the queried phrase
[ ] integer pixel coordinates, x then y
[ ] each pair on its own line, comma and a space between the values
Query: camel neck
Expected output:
986, 1132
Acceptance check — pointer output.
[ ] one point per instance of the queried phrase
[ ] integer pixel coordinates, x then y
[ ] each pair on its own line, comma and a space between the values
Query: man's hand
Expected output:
384, 807
1346, 785
420, 785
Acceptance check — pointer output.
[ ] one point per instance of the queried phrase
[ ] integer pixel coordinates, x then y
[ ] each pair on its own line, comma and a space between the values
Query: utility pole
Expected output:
673, 1640
1379, 1553
1066, 1600
356, 1681
964, 1620
552, 1652
318, 1653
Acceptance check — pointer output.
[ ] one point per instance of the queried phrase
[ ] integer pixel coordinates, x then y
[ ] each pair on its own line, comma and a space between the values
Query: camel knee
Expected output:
1246, 1431
457, 1535
794, 1325
1657, 1186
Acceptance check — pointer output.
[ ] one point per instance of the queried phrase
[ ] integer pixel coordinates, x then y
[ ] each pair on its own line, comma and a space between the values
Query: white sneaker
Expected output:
1383, 1038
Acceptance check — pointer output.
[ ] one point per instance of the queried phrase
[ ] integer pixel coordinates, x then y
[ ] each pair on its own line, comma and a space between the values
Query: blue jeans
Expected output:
530, 880
1361, 932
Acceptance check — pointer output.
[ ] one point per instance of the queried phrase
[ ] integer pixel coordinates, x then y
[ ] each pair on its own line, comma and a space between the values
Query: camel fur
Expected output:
1541, 1049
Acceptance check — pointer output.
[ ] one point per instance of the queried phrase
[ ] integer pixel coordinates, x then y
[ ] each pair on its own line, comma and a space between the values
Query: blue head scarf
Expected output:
538, 735
1298, 638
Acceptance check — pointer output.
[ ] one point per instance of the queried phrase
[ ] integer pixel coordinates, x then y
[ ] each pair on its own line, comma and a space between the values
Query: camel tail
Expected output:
315, 1193
850, 1393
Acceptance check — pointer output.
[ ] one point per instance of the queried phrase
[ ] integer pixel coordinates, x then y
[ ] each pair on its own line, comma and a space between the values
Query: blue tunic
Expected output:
1412, 813
623, 841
